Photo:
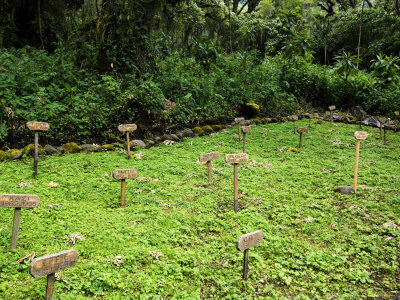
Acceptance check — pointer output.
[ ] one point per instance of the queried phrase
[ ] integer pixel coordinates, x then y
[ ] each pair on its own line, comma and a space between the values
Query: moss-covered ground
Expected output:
176, 236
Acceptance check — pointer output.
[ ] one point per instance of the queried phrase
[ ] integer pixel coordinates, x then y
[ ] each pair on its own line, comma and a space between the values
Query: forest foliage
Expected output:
86, 66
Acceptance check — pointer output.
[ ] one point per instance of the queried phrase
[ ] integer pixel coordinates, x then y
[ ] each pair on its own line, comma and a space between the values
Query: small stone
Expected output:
91, 147
15, 154
60, 149
138, 143
371, 121
50, 150
344, 189
358, 112
188, 133
149, 143
171, 137
157, 140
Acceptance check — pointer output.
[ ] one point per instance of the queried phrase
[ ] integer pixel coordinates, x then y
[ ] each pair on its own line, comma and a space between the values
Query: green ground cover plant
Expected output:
176, 236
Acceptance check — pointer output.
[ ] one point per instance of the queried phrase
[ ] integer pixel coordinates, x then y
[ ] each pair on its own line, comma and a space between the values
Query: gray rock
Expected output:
137, 143
337, 117
150, 143
179, 135
50, 150
60, 149
245, 123
371, 121
157, 140
171, 137
344, 189
188, 133
91, 147
358, 112
15, 155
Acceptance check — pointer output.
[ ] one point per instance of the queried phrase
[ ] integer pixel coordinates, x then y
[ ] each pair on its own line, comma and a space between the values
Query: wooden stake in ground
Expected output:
208, 157
127, 128
382, 121
238, 121
245, 129
301, 130
294, 119
122, 175
309, 120
49, 265
36, 127
359, 135
244, 243
332, 108
236, 159
18, 201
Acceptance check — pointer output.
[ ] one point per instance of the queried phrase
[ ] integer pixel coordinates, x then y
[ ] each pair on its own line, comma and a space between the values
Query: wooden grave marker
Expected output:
332, 108
239, 121
294, 119
36, 127
208, 157
358, 135
123, 174
301, 130
244, 243
49, 265
236, 159
245, 129
127, 128
18, 201
382, 121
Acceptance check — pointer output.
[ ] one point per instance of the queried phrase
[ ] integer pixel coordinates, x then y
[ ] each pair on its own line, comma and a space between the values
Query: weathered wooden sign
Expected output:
244, 243
295, 118
208, 157
246, 129
53, 263
18, 201
301, 130
239, 121
127, 128
333, 107
36, 127
49, 265
236, 158
40, 126
359, 135
123, 174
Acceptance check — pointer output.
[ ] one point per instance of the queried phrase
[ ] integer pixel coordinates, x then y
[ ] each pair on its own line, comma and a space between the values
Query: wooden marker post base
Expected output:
245, 129
122, 175
36, 127
49, 265
332, 108
18, 201
127, 128
301, 130
294, 119
235, 159
238, 121
208, 157
359, 135
244, 243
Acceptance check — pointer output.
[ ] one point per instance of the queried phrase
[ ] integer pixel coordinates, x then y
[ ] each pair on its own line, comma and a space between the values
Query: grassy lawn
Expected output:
176, 236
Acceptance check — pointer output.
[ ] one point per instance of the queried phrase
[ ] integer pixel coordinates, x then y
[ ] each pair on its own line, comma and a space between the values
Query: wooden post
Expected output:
36, 127
36, 155
238, 121
123, 193
208, 157
301, 140
245, 264
239, 131
209, 172
128, 145
17, 216
332, 108
244, 142
126, 128
18, 201
244, 243
359, 135
294, 119
51, 278
235, 188
380, 131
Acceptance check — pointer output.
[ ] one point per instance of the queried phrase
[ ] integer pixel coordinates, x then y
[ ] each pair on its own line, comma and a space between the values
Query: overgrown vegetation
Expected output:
176, 236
